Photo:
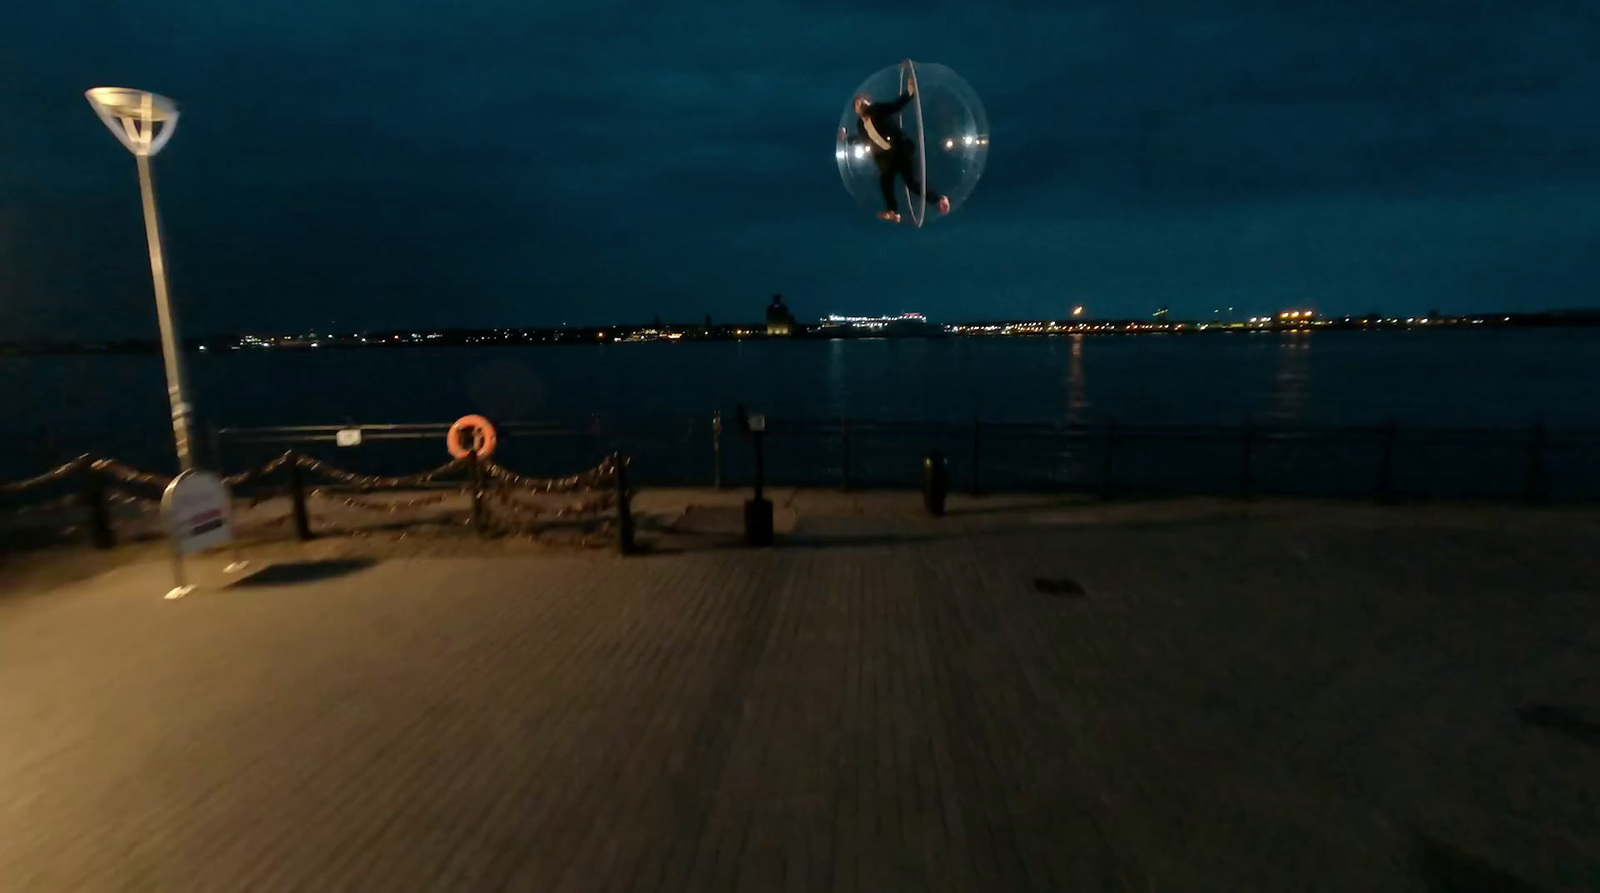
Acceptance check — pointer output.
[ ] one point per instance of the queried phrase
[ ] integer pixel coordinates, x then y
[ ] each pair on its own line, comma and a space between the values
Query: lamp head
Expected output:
140, 120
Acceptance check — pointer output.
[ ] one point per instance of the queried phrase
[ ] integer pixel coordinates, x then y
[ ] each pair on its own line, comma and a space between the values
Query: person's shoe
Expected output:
944, 204
891, 216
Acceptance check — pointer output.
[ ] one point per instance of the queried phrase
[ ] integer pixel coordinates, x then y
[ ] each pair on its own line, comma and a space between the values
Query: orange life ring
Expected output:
482, 437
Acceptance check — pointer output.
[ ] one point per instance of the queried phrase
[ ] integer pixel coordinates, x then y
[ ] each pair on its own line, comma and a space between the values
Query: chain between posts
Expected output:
136, 489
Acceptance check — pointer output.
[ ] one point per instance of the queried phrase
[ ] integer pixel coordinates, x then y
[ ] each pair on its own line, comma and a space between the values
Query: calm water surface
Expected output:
62, 405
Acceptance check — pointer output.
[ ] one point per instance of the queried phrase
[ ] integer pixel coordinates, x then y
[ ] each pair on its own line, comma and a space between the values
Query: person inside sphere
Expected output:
878, 129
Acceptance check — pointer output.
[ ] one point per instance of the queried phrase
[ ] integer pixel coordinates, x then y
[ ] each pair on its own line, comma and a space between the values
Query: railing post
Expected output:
716, 449
844, 453
1533, 484
480, 521
977, 444
1391, 434
624, 510
94, 500
1106, 488
297, 494
1244, 472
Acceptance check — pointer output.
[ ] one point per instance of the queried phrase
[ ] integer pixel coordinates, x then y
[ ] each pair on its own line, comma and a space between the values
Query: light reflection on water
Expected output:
117, 404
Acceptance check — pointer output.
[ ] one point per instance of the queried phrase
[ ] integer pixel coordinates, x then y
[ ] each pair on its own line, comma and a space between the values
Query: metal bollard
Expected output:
758, 509
935, 482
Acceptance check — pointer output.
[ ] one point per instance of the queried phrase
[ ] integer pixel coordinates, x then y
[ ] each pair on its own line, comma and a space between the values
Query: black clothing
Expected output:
900, 158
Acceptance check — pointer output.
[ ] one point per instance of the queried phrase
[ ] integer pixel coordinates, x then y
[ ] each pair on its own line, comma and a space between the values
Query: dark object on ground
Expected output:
1060, 586
758, 522
935, 482
1560, 719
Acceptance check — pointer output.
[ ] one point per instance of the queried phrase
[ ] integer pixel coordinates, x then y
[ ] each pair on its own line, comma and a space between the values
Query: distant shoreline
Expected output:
669, 332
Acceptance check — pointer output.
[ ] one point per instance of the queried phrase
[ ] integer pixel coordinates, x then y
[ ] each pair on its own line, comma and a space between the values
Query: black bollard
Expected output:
758, 510
935, 482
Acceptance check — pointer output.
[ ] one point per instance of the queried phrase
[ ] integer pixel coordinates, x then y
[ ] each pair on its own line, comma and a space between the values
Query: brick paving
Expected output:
1240, 700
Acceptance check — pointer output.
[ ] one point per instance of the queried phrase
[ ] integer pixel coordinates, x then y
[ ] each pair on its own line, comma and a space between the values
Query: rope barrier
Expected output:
495, 491
39, 480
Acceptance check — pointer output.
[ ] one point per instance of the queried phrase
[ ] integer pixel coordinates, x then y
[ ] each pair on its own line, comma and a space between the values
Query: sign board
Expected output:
198, 509
758, 423
348, 437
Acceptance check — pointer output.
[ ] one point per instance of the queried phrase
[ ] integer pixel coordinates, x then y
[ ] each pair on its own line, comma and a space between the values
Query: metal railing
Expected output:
1387, 462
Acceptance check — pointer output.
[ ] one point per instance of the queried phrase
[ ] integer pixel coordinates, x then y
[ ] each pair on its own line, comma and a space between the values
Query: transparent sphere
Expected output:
934, 145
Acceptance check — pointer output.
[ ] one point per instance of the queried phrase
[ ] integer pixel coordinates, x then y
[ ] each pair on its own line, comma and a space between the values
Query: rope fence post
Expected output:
93, 498
625, 544
297, 494
480, 521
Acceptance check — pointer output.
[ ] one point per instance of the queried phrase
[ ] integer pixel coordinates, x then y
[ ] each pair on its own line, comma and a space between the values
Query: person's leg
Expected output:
886, 183
908, 173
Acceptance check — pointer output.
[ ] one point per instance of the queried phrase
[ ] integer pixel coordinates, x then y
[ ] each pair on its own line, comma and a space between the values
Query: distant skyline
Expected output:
389, 166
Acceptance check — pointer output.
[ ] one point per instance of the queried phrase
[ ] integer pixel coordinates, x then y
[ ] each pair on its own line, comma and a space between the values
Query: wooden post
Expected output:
1533, 484
1391, 433
624, 510
1106, 488
297, 493
844, 453
1244, 472
94, 500
716, 449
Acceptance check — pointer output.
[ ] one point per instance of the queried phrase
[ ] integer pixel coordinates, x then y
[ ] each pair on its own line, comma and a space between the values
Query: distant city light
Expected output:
871, 322
1078, 310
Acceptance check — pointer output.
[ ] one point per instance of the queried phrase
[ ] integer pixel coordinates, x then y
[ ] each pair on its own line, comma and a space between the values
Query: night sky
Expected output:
366, 165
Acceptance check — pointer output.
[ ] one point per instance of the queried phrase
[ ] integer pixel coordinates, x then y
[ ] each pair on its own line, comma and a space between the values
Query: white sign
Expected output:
758, 423
198, 507
347, 437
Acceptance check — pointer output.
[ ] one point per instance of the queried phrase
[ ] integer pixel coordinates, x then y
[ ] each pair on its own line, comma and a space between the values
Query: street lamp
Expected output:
143, 122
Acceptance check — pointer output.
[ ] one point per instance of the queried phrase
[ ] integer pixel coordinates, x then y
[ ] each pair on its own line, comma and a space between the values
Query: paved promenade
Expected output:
1183, 697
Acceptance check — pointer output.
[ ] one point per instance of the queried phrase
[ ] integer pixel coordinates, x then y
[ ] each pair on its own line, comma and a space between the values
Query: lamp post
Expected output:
143, 122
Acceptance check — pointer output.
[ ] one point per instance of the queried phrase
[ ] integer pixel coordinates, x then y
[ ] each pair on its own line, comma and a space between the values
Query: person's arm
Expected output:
892, 107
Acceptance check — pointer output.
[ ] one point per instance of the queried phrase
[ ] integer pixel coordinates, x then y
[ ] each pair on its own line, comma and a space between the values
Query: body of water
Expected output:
116, 405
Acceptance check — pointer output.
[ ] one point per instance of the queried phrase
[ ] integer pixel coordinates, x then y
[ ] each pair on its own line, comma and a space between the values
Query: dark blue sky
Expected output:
417, 164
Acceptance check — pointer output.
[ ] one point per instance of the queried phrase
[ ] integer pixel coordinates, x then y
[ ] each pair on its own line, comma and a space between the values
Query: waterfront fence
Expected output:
1387, 462
96, 497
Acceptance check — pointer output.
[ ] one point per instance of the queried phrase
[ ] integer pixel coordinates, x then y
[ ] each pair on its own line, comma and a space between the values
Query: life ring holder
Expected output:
483, 438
